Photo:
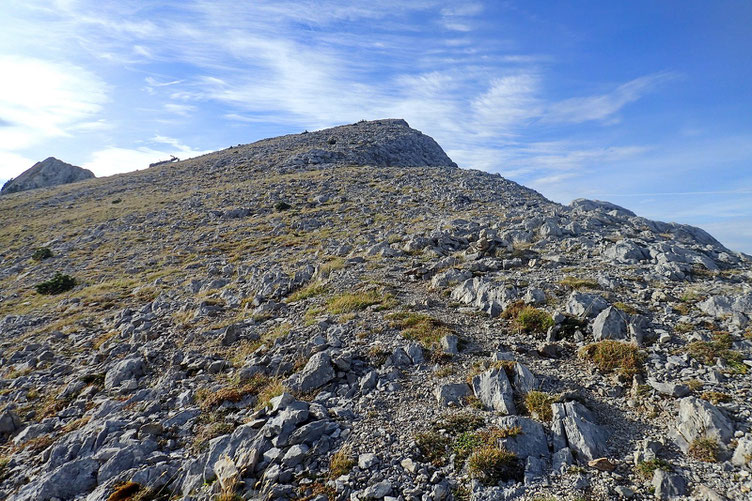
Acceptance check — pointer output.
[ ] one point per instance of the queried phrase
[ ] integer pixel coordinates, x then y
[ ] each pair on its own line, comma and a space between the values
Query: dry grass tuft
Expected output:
610, 356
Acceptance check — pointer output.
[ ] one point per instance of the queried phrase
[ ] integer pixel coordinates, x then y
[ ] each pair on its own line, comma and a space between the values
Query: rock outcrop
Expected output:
47, 173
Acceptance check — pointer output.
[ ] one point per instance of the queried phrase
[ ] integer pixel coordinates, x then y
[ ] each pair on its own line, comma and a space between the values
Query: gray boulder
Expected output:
700, 419
378, 490
531, 441
316, 373
581, 304
67, 482
668, 485
449, 344
130, 368
574, 426
610, 323
524, 381
677, 390
743, 452
585, 205
9, 423
494, 391
625, 251
718, 306
452, 394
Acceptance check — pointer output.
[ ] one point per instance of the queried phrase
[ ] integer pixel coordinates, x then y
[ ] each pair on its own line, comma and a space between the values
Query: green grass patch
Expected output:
715, 397
538, 404
683, 327
309, 291
432, 446
491, 465
531, 319
645, 469
341, 463
704, 449
353, 301
707, 352
631, 310
419, 327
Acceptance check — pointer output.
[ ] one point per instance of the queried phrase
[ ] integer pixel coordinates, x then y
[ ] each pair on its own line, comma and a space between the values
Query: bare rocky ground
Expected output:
345, 314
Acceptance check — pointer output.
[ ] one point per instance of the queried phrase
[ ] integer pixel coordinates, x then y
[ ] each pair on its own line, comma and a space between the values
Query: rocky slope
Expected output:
345, 314
47, 173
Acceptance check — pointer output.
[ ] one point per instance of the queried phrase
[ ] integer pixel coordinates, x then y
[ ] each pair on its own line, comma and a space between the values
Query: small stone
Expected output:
367, 460
668, 485
409, 465
9, 422
378, 491
452, 394
295, 455
624, 491
602, 464
449, 344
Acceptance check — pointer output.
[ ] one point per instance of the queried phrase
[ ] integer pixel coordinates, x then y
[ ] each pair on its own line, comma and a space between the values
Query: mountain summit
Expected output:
346, 315
48, 172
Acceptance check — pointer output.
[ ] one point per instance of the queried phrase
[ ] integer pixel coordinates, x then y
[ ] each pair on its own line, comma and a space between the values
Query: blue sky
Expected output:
646, 104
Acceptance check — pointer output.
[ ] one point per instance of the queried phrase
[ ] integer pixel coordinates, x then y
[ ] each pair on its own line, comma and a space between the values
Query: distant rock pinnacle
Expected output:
49, 172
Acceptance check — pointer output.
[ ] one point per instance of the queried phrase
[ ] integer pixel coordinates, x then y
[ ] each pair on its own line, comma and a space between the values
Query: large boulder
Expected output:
581, 304
67, 482
494, 390
316, 373
531, 441
49, 172
625, 251
574, 426
452, 394
9, 423
700, 419
611, 323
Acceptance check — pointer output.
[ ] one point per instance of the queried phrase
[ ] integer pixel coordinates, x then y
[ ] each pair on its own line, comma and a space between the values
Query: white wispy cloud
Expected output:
604, 106
307, 69
40, 100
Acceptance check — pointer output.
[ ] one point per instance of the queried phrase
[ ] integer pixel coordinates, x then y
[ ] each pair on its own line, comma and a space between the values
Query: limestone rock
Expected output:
699, 418
47, 173
494, 390
610, 323
452, 394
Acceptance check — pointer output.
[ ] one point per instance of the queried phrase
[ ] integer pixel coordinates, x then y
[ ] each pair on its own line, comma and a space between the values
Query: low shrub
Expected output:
355, 301
707, 352
715, 397
125, 491
427, 330
282, 206
432, 446
41, 254
645, 469
460, 423
56, 285
579, 283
